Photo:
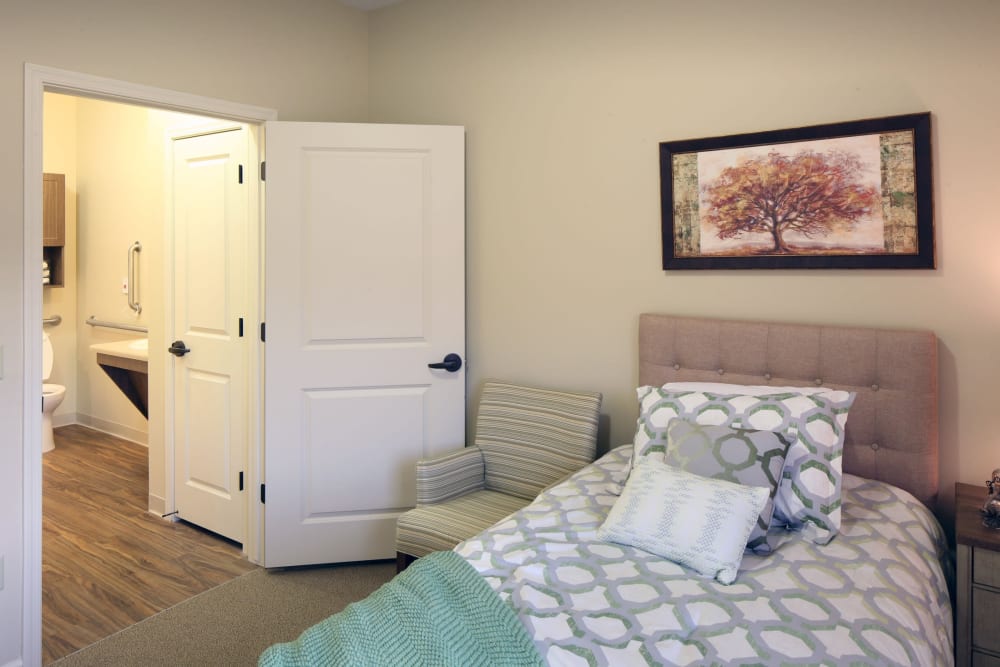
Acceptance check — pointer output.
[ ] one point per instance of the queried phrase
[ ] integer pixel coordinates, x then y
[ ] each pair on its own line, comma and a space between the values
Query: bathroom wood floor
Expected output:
108, 563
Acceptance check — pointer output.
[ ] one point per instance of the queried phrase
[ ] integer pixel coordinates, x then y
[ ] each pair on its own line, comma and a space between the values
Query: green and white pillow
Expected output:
808, 496
694, 521
742, 456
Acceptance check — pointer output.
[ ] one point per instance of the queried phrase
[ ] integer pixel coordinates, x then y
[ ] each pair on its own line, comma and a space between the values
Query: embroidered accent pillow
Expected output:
808, 496
738, 455
694, 521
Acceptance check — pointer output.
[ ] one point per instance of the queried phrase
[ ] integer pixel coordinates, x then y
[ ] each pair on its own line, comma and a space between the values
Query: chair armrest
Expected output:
450, 475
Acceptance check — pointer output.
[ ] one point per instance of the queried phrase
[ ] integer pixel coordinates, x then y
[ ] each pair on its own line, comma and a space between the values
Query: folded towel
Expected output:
45, 273
45, 280
45, 264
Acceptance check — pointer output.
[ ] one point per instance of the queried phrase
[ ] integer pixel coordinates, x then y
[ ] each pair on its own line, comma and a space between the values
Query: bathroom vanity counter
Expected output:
126, 362
136, 350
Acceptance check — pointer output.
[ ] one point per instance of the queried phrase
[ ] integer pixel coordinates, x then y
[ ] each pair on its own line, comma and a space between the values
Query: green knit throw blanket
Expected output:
438, 612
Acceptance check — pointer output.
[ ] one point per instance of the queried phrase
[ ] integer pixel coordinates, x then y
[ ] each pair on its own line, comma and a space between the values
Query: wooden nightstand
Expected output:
977, 613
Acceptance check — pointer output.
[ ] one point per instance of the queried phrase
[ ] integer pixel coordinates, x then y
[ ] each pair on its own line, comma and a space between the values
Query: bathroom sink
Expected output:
141, 344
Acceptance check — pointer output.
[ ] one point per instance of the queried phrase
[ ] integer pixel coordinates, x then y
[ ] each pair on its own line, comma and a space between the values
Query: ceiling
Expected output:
368, 5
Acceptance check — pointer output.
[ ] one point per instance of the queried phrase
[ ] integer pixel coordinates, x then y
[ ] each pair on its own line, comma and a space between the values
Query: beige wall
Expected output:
565, 102
305, 58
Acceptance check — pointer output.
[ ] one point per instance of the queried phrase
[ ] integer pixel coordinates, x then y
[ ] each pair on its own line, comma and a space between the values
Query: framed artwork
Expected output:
853, 195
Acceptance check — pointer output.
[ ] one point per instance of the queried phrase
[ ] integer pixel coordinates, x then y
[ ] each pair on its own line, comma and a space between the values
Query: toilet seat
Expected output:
52, 395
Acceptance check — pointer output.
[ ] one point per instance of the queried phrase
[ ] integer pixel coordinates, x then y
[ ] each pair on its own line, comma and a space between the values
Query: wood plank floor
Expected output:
108, 563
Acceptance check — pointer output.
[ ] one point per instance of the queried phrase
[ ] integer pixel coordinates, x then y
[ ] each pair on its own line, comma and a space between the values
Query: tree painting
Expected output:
809, 195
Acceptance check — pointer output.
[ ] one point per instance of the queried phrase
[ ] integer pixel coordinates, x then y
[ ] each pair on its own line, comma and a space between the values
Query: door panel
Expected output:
385, 238
210, 295
364, 287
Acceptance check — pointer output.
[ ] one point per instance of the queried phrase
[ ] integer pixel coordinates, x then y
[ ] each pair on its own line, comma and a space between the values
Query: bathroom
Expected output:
116, 159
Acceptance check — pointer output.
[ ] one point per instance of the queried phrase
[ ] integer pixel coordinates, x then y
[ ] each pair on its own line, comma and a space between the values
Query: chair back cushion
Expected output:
531, 437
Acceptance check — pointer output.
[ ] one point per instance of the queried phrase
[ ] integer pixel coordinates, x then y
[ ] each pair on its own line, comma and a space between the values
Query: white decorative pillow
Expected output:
694, 521
808, 497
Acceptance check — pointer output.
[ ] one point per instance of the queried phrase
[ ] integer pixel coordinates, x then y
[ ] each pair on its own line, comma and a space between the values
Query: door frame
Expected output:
39, 79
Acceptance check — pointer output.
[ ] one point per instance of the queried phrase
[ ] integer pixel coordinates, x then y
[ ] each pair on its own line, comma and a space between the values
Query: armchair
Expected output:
526, 439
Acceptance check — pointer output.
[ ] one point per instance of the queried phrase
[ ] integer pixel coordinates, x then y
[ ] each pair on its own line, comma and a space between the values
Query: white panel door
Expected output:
210, 295
364, 288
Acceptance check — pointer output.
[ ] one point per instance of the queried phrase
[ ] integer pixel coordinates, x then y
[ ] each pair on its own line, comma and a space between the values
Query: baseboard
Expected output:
117, 430
157, 505
64, 419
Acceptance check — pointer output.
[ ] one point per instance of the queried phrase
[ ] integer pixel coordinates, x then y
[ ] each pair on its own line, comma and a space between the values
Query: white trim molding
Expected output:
39, 79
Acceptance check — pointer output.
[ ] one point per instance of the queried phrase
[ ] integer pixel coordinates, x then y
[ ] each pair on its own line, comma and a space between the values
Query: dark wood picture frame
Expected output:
852, 195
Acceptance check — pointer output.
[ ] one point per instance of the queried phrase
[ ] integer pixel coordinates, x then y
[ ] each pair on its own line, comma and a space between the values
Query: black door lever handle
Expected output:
178, 348
451, 363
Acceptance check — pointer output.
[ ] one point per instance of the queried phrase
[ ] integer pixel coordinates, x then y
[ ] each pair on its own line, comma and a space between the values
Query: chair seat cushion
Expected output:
441, 526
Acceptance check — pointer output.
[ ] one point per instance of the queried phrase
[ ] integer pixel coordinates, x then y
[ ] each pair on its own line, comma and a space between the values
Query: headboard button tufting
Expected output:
874, 387
767, 376
677, 367
874, 446
819, 381
720, 371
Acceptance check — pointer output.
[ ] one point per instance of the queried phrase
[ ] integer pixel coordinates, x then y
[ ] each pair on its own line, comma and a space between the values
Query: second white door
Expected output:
210, 293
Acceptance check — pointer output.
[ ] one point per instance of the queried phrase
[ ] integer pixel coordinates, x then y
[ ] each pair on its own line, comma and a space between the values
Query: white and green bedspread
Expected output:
875, 595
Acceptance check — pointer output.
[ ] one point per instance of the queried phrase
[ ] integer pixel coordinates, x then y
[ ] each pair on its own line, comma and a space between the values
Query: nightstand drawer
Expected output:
983, 660
986, 567
985, 612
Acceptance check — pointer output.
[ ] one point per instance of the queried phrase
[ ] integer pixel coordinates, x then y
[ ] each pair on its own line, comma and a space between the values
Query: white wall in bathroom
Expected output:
59, 157
119, 203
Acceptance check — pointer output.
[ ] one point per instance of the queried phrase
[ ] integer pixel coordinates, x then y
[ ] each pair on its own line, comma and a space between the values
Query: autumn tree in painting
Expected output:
810, 193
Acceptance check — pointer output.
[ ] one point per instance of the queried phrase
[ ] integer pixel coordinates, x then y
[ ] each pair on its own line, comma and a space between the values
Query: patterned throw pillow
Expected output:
738, 455
694, 521
808, 497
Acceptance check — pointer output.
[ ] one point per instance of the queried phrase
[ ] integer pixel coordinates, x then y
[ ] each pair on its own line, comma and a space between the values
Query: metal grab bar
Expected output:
133, 277
54, 320
94, 322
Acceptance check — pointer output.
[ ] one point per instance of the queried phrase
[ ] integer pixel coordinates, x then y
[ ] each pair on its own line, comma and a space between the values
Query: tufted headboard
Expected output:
892, 428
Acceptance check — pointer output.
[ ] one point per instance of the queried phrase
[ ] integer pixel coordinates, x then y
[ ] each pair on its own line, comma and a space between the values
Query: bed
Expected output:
850, 569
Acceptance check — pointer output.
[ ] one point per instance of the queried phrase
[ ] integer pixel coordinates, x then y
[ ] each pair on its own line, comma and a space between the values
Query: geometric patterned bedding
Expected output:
875, 595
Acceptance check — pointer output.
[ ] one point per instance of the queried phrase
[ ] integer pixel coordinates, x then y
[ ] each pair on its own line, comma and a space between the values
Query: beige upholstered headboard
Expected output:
892, 428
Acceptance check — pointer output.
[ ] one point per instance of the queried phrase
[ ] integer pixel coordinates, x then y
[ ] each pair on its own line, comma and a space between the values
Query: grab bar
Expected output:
94, 322
55, 320
133, 277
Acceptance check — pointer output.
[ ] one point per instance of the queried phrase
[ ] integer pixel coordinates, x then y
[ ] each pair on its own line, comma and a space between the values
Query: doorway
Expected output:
39, 80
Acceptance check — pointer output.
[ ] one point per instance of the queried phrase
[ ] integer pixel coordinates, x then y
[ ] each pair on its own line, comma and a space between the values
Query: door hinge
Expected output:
241, 174
263, 336
262, 494
263, 170
241, 327
241, 480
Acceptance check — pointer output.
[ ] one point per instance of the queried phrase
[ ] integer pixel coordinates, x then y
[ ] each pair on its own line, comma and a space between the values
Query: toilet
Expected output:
52, 395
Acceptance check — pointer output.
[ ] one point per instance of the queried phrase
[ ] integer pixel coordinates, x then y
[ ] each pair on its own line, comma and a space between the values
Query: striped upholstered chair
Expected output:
526, 439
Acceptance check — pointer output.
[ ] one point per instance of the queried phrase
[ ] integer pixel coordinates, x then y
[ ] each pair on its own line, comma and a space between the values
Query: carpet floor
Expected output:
233, 623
